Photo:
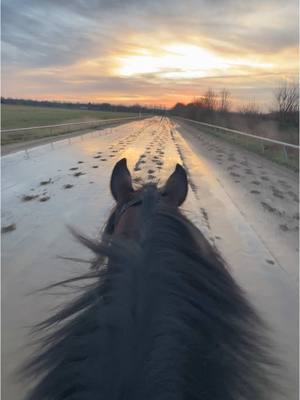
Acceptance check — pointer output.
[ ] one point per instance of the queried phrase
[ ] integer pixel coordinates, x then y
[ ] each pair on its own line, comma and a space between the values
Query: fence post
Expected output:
262, 147
286, 157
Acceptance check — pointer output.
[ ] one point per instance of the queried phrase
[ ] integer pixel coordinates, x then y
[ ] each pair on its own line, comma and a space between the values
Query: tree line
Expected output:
136, 108
216, 108
211, 107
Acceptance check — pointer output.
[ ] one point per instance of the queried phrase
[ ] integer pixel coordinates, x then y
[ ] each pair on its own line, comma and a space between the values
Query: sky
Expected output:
148, 51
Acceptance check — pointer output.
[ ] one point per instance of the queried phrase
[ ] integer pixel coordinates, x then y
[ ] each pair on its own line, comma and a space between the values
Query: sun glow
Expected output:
173, 61
181, 61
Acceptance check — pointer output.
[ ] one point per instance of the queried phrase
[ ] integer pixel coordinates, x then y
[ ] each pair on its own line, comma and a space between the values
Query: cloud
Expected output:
77, 47
48, 32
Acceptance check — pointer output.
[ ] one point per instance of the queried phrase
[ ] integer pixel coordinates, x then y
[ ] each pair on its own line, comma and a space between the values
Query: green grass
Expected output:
15, 116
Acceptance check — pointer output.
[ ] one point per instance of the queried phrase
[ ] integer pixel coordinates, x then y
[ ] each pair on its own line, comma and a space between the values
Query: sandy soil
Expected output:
244, 204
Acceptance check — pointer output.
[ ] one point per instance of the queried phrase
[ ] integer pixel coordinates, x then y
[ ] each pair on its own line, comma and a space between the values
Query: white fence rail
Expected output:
260, 139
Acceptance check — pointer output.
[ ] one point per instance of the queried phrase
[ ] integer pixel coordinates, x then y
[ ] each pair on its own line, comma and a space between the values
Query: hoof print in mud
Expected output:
28, 197
42, 183
8, 228
44, 198
77, 174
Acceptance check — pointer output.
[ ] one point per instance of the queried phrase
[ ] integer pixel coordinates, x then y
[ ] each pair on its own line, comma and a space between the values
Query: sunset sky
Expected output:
148, 51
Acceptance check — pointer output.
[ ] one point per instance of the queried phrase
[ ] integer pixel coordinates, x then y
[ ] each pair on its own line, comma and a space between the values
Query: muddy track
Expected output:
248, 210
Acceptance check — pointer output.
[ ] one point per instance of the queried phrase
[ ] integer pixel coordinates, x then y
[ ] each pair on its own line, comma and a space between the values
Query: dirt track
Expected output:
247, 206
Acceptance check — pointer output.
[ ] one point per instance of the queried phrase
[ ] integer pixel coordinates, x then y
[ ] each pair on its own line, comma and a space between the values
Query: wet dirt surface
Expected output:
266, 194
246, 206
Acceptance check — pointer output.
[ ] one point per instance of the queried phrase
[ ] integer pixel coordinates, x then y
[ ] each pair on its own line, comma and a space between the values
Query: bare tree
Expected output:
251, 108
287, 100
198, 101
224, 105
209, 100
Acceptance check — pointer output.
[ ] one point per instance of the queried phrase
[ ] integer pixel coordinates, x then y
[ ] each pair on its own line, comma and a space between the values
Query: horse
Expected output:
159, 315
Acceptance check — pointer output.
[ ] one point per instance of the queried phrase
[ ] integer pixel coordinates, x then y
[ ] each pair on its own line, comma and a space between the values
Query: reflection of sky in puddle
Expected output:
196, 162
132, 154
100, 141
92, 143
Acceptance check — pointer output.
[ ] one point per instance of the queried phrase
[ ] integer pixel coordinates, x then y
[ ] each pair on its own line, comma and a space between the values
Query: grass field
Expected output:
15, 116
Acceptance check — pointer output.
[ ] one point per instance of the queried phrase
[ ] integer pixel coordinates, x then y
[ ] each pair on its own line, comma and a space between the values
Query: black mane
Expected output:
161, 318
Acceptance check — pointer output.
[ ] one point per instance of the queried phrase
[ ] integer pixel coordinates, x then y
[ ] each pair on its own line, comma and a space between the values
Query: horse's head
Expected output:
127, 214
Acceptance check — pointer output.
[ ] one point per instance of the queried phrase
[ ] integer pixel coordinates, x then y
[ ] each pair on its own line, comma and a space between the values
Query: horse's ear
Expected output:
176, 188
120, 181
